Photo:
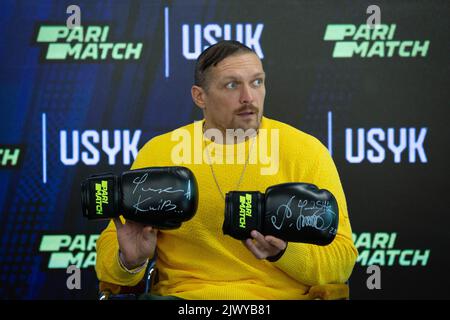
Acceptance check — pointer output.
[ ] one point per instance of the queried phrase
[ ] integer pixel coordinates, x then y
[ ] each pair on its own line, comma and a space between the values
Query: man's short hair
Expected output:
213, 55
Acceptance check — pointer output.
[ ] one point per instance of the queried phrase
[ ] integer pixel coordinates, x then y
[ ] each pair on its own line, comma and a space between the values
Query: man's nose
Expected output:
246, 95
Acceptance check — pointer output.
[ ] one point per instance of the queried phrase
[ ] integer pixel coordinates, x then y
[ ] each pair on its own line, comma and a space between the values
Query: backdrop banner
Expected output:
84, 100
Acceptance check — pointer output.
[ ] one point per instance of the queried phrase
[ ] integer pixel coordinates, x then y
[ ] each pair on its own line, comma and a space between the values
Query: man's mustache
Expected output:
247, 108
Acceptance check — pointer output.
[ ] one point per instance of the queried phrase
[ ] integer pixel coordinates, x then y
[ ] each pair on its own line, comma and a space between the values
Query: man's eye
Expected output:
231, 85
257, 82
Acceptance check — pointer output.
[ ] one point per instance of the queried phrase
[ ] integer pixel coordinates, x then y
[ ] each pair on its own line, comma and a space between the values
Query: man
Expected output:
197, 261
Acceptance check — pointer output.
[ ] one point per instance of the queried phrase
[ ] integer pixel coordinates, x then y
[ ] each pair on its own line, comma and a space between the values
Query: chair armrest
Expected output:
112, 291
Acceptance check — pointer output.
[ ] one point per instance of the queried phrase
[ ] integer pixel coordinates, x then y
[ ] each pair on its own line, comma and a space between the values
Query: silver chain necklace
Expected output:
242, 173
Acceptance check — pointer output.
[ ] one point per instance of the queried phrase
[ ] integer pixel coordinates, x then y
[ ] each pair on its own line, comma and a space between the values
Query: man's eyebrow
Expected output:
259, 74
234, 77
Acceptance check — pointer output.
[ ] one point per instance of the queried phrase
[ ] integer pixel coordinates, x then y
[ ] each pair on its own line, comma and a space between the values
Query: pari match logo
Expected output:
11, 156
379, 249
88, 43
245, 209
64, 250
101, 196
367, 41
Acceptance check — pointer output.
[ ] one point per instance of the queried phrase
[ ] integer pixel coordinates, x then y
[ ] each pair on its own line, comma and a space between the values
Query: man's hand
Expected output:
263, 247
137, 242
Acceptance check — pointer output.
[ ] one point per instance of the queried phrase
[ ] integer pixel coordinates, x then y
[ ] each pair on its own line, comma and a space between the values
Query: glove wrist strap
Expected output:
278, 256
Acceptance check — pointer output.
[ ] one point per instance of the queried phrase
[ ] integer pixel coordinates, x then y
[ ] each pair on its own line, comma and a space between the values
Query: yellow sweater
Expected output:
197, 261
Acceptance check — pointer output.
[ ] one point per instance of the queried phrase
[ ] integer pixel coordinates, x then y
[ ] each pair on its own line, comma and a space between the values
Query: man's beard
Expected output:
242, 132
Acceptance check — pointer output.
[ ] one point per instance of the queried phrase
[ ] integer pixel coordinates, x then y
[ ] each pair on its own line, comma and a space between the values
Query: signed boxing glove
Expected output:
297, 212
163, 197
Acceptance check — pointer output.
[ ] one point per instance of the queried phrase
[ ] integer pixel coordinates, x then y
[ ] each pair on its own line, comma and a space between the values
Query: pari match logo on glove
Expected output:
245, 209
101, 196
367, 42
88, 43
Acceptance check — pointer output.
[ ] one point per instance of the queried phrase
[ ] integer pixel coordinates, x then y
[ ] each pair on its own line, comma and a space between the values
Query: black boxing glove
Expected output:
296, 212
163, 197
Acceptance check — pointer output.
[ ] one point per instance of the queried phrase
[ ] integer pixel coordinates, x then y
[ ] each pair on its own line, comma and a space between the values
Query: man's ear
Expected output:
198, 96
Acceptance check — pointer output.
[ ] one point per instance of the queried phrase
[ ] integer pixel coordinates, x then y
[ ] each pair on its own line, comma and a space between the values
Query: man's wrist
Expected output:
130, 270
